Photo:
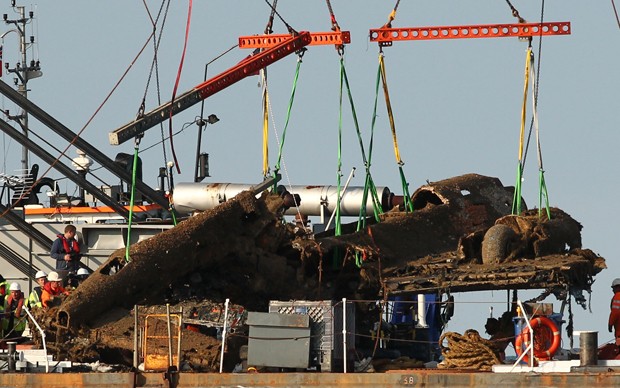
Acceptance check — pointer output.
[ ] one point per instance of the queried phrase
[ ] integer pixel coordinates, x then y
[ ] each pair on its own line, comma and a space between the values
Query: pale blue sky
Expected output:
456, 102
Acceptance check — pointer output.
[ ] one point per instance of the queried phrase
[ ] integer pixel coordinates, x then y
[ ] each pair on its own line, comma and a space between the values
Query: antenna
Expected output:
23, 70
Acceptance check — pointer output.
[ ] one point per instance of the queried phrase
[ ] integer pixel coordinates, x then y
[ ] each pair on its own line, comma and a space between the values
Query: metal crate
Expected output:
326, 347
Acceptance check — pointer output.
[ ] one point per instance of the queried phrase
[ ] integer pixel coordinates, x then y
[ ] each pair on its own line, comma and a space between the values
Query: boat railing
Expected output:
530, 346
47, 363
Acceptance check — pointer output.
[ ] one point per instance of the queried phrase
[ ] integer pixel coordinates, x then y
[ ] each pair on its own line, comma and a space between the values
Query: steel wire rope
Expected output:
31, 132
613, 4
154, 23
392, 15
288, 26
155, 68
92, 117
176, 84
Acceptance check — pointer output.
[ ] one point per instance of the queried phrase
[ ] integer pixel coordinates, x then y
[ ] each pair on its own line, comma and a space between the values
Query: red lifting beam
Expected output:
318, 38
385, 36
221, 81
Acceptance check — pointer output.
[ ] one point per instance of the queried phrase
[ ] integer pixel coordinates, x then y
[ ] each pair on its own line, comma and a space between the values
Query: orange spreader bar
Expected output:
385, 36
317, 38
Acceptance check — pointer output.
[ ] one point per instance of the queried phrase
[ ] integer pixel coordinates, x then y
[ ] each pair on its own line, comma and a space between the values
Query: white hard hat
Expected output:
53, 277
15, 287
616, 282
82, 271
40, 274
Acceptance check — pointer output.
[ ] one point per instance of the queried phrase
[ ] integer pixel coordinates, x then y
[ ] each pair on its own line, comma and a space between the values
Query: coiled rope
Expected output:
467, 351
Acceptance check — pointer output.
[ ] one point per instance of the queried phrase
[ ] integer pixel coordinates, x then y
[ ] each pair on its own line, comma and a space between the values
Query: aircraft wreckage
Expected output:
460, 237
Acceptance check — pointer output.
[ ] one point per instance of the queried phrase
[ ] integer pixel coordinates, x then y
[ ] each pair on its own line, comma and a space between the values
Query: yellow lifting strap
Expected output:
389, 110
265, 125
524, 106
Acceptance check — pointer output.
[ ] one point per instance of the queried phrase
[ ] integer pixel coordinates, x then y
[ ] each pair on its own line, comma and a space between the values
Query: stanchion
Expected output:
224, 334
344, 333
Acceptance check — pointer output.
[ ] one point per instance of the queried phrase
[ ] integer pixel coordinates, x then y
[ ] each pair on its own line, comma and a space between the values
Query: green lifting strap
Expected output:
288, 116
132, 197
338, 221
516, 199
542, 193
369, 184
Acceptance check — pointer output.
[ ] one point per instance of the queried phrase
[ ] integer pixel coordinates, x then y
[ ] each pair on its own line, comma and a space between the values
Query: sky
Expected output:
456, 103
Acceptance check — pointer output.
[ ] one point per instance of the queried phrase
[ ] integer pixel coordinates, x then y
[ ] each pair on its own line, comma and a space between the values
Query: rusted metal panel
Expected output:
399, 378
63, 380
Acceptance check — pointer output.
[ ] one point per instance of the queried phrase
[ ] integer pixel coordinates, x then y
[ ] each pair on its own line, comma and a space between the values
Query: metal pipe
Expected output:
224, 334
169, 335
344, 333
135, 336
315, 200
422, 311
180, 331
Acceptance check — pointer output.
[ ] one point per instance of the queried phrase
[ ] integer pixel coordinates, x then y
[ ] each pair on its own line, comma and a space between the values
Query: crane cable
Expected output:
407, 200
176, 84
155, 69
613, 4
335, 26
392, 16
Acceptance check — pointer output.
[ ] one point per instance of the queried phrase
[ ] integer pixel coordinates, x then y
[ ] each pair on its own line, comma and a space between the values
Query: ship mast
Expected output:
23, 70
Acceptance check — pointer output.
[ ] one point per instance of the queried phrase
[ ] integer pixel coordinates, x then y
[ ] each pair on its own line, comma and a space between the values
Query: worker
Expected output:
614, 315
34, 299
52, 290
14, 322
78, 278
66, 251
3, 285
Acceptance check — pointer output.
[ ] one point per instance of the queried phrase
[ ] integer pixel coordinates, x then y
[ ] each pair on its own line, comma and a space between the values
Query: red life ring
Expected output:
523, 339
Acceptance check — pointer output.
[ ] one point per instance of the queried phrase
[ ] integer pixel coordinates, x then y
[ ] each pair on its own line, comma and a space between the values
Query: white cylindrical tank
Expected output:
189, 197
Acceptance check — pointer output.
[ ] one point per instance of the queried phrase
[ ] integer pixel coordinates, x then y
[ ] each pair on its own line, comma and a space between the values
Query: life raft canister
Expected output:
544, 326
